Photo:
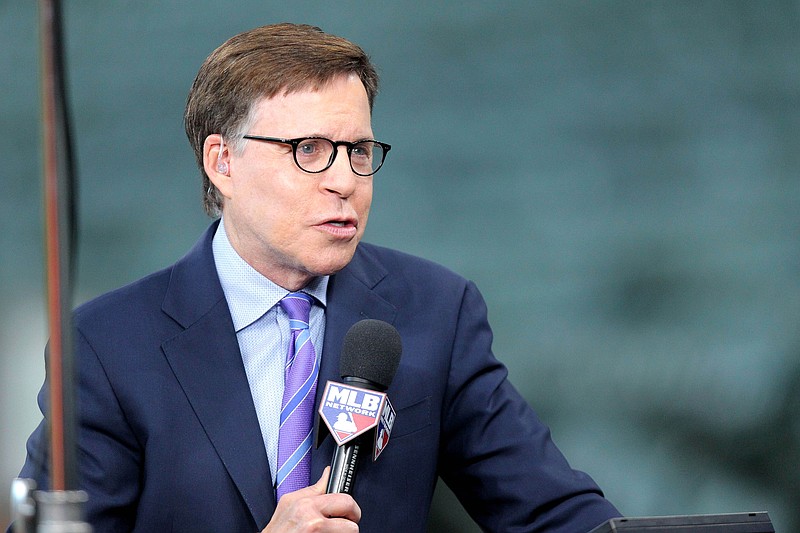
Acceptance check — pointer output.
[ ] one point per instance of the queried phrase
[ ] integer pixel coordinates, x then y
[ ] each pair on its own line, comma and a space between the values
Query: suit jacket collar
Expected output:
207, 363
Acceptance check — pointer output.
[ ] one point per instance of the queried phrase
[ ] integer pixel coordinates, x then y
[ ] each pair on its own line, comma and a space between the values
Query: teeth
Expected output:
338, 224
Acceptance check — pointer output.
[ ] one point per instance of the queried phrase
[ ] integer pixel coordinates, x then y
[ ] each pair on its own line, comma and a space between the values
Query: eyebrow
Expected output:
326, 136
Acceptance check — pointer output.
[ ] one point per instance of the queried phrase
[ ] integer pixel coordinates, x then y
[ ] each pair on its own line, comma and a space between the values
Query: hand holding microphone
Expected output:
310, 509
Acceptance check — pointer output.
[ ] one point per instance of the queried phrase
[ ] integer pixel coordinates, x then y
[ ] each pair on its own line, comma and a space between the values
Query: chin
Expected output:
333, 261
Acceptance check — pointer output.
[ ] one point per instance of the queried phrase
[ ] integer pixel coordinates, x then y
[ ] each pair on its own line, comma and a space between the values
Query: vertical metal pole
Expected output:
57, 178
60, 509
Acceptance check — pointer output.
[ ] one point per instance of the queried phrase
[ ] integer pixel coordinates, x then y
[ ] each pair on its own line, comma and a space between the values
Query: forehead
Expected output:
336, 104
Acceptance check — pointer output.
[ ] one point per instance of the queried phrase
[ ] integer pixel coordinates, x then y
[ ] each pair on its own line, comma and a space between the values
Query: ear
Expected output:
216, 163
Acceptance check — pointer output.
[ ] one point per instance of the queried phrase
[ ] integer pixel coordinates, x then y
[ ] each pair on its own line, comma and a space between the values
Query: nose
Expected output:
339, 178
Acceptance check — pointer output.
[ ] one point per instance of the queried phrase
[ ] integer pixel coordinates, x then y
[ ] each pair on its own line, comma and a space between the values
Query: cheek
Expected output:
362, 208
364, 216
277, 202
365, 200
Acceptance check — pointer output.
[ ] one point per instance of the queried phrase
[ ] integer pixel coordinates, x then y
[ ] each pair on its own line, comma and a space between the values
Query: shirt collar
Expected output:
248, 292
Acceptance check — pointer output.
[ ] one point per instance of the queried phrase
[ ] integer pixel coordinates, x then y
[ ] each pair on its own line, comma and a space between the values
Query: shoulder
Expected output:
401, 263
190, 283
125, 304
407, 279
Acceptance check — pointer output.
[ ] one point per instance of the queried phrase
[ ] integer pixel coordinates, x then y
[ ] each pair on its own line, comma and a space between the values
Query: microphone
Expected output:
370, 356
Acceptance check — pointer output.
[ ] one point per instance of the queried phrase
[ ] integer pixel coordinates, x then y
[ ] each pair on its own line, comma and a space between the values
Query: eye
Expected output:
314, 150
309, 147
362, 150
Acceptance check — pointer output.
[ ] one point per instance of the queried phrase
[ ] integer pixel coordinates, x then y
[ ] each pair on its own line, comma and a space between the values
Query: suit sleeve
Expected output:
108, 454
497, 456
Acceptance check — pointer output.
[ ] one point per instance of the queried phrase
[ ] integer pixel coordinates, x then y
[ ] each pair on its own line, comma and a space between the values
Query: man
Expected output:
182, 373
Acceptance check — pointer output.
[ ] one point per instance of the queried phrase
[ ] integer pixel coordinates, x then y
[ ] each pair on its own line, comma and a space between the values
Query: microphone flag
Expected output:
384, 429
350, 411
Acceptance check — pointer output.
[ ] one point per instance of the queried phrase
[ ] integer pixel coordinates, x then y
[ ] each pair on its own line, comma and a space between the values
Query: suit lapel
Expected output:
350, 298
207, 363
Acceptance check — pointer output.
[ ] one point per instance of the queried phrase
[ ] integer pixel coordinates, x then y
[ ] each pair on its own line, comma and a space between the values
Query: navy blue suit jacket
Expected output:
169, 439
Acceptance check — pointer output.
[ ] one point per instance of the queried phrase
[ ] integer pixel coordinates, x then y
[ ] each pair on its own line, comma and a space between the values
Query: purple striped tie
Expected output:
297, 408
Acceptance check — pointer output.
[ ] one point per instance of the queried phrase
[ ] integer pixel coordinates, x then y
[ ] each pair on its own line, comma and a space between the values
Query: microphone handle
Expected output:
343, 468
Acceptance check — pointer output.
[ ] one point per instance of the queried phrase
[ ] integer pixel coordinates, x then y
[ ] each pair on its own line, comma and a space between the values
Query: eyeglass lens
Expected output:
315, 155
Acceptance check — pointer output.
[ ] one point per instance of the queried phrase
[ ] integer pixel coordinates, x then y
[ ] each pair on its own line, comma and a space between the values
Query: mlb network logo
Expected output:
350, 411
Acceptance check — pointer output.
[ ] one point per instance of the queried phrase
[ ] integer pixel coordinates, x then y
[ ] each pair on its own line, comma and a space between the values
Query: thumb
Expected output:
322, 484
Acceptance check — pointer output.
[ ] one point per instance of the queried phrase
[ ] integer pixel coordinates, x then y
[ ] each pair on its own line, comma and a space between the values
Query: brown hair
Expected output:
257, 64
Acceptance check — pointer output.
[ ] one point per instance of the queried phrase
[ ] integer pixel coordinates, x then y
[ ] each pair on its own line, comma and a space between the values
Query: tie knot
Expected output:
298, 306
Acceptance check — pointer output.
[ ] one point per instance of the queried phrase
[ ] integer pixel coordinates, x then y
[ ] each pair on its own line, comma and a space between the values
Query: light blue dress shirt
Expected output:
262, 329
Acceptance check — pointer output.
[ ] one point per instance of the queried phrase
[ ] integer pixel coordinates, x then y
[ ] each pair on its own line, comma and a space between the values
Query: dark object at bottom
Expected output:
758, 522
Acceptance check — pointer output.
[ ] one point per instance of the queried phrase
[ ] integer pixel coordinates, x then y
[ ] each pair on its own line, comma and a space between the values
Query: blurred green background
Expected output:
620, 178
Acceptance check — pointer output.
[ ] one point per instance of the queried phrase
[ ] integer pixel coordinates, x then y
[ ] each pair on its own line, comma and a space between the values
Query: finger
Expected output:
336, 505
340, 506
316, 489
322, 484
341, 525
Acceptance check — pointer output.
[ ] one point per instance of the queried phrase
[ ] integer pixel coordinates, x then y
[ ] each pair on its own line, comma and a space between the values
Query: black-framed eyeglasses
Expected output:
317, 154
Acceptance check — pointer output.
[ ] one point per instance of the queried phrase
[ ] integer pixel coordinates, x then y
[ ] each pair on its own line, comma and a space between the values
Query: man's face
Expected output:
288, 224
